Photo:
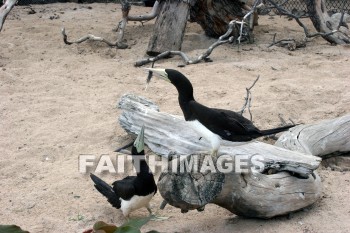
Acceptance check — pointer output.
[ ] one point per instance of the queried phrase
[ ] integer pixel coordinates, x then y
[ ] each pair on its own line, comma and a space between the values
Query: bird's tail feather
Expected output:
275, 130
106, 191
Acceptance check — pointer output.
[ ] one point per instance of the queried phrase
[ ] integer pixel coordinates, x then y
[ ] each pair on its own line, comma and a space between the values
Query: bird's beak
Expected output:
159, 73
139, 141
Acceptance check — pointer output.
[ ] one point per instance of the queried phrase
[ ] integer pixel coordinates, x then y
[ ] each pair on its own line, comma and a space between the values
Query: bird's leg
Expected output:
215, 144
126, 213
149, 209
215, 151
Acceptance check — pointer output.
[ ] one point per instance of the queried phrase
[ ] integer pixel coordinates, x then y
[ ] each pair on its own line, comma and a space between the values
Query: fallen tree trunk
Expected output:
251, 193
321, 139
5, 10
266, 196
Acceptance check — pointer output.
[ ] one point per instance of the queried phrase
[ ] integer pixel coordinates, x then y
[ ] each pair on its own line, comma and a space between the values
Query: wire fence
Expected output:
294, 6
299, 6
29, 2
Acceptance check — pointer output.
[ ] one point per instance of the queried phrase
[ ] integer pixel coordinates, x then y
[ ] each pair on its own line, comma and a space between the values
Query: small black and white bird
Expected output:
132, 192
213, 124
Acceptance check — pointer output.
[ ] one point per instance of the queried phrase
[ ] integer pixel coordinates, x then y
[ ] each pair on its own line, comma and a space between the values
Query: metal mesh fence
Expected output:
338, 5
300, 5
28, 2
290, 5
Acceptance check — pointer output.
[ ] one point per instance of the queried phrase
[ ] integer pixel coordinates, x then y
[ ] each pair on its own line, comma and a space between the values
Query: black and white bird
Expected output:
213, 124
132, 192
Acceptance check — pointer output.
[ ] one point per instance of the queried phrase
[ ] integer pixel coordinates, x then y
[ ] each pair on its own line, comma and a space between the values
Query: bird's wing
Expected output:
239, 119
106, 191
125, 188
227, 124
232, 124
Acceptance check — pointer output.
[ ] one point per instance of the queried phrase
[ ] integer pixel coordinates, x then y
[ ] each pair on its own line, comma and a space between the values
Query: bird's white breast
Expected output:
136, 202
203, 131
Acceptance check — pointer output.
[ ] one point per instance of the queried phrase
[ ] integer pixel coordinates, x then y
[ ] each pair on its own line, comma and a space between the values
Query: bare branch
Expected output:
187, 60
5, 10
150, 16
291, 44
257, 4
117, 44
341, 20
248, 99
297, 19
283, 41
121, 26
226, 38
222, 40
274, 42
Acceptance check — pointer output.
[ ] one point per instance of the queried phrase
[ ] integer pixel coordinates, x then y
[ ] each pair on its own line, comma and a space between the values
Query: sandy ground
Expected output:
59, 101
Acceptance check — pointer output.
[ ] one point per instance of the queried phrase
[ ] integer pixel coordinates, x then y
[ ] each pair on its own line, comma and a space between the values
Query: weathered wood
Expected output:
121, 27
214, 16
187, 189
168, 134
154, 13
324, 23
5, 10
320, 139
169, 27
266, 196
244, 194
226, 38
253, 194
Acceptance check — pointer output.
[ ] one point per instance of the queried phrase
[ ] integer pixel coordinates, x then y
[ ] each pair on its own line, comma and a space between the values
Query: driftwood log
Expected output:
252, 193
323, 139
331, 142
5, 10
170, 135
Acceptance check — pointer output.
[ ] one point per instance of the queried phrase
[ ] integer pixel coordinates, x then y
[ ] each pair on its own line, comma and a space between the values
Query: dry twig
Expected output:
226, 38
297, 19
291, 44
222, 40
117, 44
121, 26
248, 99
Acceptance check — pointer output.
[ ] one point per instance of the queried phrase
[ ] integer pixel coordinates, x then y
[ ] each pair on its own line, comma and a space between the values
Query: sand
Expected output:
59, 101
